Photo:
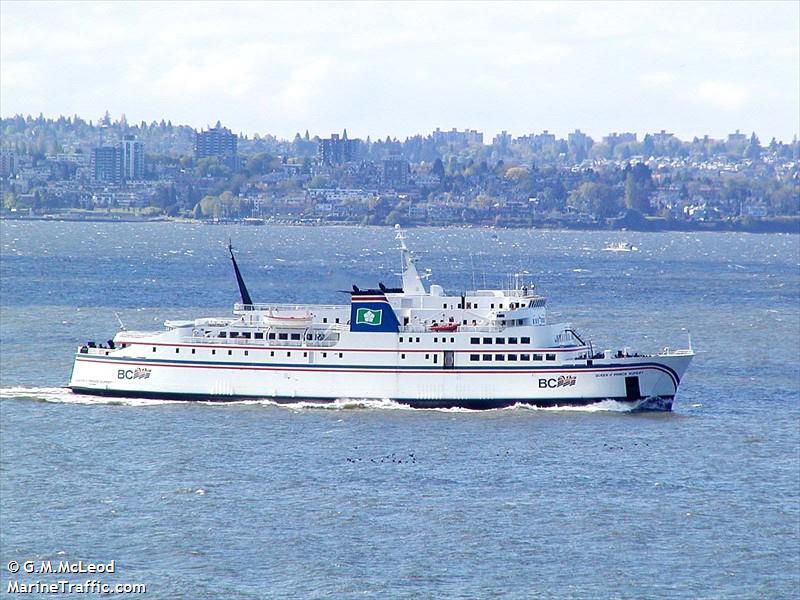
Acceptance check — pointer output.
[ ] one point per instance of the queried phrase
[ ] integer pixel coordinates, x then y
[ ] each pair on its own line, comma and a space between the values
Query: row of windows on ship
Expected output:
288, 354
536, 303
496, 357
474, 340
258, 335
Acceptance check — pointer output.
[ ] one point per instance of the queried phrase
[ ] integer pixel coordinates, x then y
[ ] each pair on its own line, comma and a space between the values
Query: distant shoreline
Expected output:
753, 225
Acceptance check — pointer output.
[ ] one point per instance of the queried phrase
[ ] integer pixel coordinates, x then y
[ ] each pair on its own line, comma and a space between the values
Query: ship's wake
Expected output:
63, 395
601, 406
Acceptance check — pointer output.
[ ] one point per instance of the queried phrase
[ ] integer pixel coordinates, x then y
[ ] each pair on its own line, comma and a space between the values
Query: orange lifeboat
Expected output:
445, 327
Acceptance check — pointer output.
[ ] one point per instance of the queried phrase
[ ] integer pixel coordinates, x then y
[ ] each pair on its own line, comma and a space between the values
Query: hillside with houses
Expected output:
70, 167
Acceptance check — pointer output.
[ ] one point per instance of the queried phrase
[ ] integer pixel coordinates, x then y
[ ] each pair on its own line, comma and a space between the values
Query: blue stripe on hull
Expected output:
663, 403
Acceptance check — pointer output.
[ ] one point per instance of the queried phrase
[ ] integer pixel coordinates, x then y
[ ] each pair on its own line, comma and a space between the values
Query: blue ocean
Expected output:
373, 500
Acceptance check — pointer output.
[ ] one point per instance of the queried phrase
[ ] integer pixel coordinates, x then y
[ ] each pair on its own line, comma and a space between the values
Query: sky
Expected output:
397, 69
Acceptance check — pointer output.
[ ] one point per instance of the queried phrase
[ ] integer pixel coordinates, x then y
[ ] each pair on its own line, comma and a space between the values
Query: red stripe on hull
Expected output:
347, 370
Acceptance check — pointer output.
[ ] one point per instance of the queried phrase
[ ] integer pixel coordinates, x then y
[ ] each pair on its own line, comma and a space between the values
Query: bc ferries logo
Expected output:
367, 316
133, 374
562, 381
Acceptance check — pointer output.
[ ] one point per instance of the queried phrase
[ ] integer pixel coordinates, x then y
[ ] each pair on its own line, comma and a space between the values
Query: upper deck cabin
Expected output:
414, 307
481, 309
411, 308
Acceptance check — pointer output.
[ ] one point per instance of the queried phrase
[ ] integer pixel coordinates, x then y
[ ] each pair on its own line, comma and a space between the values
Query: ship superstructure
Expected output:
417, 346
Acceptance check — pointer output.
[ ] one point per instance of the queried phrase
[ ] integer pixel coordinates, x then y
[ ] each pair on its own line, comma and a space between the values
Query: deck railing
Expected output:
240, 341
287, 308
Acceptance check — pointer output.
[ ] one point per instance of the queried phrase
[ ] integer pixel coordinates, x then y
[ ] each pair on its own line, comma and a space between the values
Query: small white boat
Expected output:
620, 247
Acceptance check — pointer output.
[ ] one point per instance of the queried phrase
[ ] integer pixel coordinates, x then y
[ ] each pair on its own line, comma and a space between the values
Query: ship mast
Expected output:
412, 283
239, 280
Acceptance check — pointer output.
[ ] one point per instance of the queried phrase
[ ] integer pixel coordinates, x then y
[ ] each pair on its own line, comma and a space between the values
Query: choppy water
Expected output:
369, 499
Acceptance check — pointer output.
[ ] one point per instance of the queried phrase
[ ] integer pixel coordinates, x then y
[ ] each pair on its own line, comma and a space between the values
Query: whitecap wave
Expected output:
386, 404
66, 396
338, 404
602, 406
63, 395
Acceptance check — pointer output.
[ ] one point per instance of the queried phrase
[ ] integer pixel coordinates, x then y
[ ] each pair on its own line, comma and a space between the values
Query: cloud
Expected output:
306, 84
723, 95
657, 79
401, 68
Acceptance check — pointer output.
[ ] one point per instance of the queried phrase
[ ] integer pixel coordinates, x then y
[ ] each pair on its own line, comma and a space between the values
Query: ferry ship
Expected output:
420, 347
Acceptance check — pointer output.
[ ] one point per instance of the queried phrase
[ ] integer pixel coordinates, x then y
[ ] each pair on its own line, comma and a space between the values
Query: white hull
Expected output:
429, 386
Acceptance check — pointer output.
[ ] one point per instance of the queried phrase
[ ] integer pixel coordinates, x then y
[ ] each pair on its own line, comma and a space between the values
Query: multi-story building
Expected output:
218, 141
612, 139
106, 164
662, 137
76, 158
502, 141
8, 163
338, 150
578, 139
119, 163
339, 195
737, 138
395, 172
466, 137
538, 141
132, 159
